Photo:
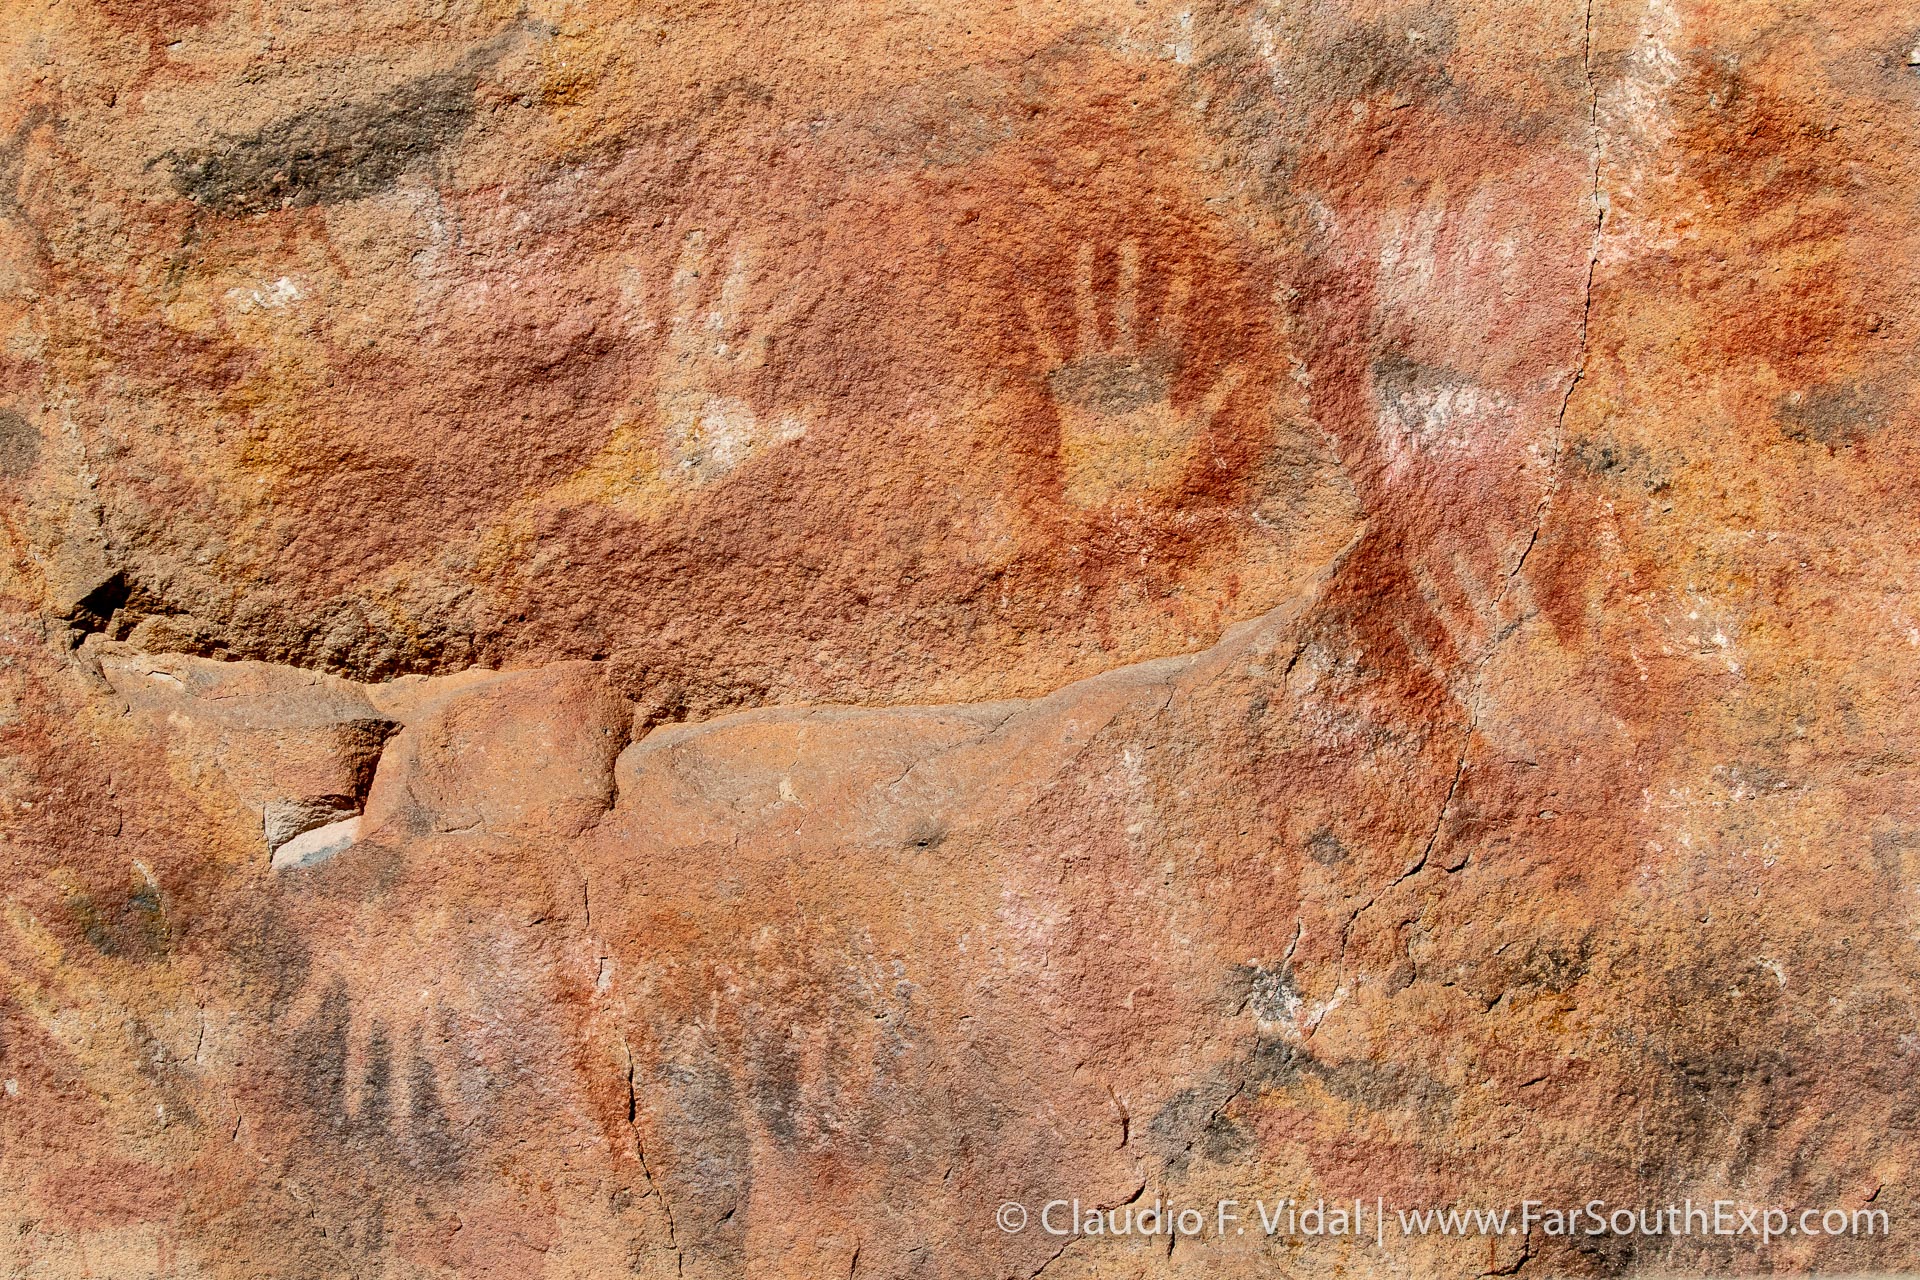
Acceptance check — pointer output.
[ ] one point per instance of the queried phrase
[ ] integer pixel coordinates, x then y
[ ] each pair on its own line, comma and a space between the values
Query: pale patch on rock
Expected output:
273, 295
282, 820
311, 848
1422, 411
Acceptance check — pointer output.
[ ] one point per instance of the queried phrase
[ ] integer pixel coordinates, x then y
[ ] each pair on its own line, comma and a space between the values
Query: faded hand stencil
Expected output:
716, 349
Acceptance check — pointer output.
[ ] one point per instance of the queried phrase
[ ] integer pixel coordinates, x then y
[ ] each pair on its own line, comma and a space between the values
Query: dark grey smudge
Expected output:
1833, 414
19, 444
1114, 385
329, 155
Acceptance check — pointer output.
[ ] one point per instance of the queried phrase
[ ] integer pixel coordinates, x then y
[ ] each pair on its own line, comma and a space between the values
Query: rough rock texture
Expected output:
703, 640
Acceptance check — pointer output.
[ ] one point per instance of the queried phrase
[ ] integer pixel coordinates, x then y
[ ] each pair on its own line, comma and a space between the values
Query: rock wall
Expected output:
714, 639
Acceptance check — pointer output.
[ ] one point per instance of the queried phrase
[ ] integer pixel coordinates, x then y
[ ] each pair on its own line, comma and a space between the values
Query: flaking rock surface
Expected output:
707, 639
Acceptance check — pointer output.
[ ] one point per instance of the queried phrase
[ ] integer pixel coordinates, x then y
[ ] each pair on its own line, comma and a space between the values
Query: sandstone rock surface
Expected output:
710, 639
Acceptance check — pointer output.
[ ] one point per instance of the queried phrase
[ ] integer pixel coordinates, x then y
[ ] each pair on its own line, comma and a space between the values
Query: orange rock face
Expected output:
736, 640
